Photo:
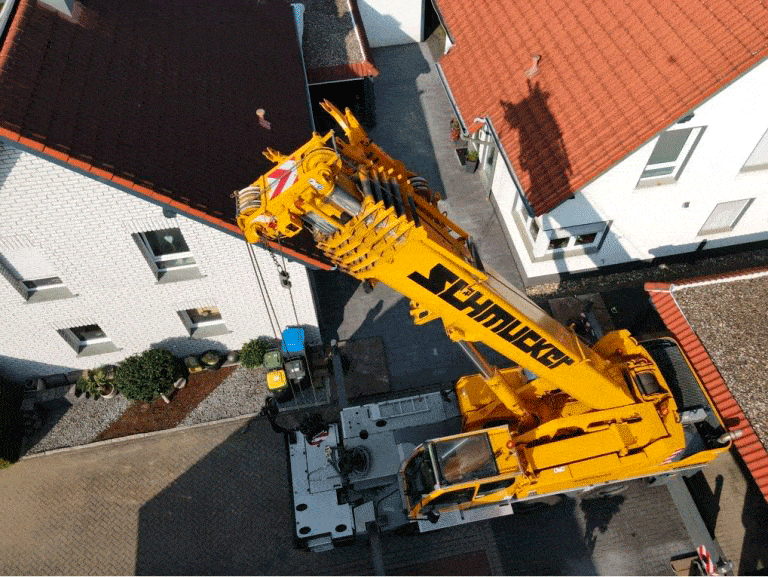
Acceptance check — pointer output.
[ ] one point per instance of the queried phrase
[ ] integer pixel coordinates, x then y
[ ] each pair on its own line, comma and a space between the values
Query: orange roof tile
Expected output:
749, 447
611, 76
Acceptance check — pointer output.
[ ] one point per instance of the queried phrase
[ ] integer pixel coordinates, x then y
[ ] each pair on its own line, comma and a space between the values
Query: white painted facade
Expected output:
85, 229
392, 22
645, 222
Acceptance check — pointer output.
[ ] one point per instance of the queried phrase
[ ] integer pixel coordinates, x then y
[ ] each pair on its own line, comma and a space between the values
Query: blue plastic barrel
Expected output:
293, 340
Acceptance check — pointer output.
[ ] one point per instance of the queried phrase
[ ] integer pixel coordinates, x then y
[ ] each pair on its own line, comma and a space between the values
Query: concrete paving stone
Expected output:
634, 533
414, 113
207, 500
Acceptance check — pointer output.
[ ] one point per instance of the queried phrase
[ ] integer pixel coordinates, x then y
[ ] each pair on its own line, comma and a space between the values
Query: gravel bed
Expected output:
329, 34
731, 321
241, 393
81, 423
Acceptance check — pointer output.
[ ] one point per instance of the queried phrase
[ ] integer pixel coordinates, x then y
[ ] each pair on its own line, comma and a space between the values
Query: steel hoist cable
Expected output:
264, 295
285, 279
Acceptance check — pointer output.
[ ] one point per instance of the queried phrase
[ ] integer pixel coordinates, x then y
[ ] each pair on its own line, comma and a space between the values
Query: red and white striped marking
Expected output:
706, 560
673, 456
282, 177
319, 438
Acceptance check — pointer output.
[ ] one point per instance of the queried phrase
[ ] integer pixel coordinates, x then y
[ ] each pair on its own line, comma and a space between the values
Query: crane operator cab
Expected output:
460, 475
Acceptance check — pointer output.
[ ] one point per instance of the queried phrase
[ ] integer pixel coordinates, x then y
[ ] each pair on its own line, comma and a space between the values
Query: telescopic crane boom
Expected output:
575, 413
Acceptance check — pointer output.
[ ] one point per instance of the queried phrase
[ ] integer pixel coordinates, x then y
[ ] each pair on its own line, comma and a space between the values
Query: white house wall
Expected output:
391, 22
84, 227
654, 221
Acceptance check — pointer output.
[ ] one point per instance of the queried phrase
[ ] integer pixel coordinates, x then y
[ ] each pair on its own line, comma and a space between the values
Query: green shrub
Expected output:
146, 376
5, 464
96, 382
252, 353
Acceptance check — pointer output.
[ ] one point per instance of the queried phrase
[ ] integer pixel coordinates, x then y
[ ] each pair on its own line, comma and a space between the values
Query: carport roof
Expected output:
335, 43
610, 77
158, 97
717, 321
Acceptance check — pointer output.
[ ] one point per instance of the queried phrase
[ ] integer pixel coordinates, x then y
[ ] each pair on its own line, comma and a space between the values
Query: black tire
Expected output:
607, 491
527, 507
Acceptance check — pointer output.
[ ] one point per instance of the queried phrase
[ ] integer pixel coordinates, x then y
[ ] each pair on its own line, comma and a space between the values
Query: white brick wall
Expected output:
85, 227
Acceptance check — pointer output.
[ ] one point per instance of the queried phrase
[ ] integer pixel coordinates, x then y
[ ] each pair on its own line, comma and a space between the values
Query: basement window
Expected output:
168, 255
669, 156
33, 275
570, 241
202, 322
88, 340
534, 229
588, 238
725, 216
556, 243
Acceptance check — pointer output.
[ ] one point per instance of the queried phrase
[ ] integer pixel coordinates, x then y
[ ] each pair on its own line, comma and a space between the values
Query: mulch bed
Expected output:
144, 417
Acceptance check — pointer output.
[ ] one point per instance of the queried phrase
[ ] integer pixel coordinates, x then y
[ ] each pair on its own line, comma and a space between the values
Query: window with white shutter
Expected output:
725, 216
758, 160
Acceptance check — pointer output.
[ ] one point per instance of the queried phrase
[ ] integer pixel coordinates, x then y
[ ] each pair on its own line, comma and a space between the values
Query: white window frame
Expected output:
758, 158
739, 206
201, 329
88, 347
488, 156
158, 263
672, 169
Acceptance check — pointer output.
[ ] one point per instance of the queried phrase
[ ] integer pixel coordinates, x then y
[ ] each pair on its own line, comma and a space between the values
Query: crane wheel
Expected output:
608, 491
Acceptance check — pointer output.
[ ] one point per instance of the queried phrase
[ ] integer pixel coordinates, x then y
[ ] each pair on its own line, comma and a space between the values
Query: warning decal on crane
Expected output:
282, 177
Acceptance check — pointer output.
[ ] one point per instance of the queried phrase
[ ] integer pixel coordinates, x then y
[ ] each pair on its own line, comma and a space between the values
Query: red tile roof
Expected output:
158, 96
749, 447
348, 71
611, 76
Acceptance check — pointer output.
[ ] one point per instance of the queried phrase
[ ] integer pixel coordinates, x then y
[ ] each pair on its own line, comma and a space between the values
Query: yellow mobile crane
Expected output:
569, 416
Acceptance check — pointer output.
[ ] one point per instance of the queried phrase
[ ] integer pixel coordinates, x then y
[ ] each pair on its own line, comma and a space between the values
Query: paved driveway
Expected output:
207, 500
204, 500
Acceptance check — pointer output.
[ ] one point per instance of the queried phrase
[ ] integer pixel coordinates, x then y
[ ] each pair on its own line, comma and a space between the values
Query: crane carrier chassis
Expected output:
381, 457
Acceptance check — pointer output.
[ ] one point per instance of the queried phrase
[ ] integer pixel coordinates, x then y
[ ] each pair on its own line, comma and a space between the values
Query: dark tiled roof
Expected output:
611, 76
158, 96
749, 446
335, 44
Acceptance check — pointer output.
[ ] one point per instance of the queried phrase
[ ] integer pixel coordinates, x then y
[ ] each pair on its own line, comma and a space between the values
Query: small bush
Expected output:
146, 376
96, 382
4, 464
252, 353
